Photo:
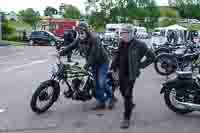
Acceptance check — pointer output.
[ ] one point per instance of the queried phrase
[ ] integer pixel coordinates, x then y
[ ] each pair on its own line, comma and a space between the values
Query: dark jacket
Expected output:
92, 49
68, 37
136, 51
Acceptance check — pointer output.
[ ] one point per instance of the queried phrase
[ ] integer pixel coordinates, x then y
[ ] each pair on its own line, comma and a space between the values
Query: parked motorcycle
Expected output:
166, 48
167, 63
182, 94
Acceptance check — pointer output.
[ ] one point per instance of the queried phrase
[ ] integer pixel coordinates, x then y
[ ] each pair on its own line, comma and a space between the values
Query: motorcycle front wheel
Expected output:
46, 94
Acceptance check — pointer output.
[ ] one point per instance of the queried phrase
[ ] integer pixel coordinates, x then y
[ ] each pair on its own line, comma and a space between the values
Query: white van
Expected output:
113, 30
141, 32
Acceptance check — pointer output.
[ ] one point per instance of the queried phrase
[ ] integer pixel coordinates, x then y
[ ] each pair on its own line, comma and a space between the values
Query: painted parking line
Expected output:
18, 53
2, 110
25, 59
25, 65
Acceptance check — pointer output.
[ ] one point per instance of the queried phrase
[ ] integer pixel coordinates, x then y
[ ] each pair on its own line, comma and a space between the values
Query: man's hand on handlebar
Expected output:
58, 55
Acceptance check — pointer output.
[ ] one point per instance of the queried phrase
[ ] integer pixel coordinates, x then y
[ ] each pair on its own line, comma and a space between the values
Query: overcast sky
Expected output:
16, 5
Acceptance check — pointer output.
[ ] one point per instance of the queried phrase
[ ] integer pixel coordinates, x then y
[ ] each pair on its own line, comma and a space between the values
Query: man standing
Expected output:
128, 60
68, 39
96, 58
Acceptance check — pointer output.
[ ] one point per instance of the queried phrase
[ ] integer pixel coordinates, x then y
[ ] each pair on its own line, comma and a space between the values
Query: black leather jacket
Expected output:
136, 51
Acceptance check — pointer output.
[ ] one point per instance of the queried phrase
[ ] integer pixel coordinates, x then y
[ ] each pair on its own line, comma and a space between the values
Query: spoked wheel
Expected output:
165, 65
171, 98
45, 95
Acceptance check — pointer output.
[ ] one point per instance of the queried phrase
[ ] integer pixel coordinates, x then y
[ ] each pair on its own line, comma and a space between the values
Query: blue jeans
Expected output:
103, 86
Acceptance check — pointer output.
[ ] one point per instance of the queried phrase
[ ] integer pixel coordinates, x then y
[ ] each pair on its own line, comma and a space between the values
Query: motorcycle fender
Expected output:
169, 85
177, 84
163, 89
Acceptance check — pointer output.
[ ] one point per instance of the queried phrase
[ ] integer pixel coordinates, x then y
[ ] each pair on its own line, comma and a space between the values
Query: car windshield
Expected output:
36, 33
50, 33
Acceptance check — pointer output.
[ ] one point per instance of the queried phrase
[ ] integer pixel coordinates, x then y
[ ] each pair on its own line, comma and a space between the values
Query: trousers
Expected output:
103, 87
126, 89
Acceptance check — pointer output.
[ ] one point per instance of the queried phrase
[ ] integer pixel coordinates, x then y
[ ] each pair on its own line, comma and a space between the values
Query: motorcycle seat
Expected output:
179, 54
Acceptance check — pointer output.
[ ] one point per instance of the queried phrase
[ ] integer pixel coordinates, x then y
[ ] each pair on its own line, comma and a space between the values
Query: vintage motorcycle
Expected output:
167, 63
48, 91
182, 94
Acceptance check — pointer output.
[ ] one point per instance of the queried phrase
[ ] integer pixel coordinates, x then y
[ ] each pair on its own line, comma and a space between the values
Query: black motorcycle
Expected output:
167, 63
182, 94
48, 91
165, 48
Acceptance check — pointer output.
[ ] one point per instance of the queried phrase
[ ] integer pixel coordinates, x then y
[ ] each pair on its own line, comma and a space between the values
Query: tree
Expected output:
7, 29
50, 11
71, 11
30, 16
169, 12
189, 8
124, 11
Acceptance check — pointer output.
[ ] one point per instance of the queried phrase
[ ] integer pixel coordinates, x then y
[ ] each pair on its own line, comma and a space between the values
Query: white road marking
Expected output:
2, 110
25, 65
18, 53
3, 47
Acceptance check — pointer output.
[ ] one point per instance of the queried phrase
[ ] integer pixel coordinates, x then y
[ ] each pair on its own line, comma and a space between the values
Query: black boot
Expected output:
127, 115
125, 124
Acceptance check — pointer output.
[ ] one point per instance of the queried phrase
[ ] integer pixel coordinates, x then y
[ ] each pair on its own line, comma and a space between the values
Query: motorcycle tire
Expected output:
56, 91
173, 66
172, 107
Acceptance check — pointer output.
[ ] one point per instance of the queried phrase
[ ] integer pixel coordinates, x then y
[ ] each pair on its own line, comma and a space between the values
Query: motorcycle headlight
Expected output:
54, 69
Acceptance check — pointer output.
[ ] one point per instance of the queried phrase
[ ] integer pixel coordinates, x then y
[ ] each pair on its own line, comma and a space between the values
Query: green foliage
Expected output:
96, 20
169, 12
123, 11
7, 29
30, 16
50, 11
194, 27
167, 22
189, 8
71, 12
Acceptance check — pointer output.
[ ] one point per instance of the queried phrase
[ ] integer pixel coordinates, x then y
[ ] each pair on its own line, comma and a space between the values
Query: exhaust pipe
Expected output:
192, 106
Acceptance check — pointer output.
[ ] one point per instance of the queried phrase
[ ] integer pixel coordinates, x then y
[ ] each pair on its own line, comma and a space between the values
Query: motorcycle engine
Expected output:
76, 84
78, 94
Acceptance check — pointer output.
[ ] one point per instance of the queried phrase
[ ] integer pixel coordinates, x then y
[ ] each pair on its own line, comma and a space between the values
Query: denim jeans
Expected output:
103, 86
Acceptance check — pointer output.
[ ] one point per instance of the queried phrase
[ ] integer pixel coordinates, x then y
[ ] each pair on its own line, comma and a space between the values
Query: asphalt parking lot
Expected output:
23, 68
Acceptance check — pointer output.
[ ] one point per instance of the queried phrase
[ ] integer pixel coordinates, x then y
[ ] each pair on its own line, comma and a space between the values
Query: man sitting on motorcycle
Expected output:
96, 58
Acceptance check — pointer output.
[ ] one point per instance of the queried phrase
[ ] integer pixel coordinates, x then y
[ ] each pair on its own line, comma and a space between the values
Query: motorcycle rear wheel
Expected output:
171, 105
167, 64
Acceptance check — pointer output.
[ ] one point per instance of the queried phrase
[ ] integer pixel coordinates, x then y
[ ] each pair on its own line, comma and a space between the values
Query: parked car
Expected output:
44, 38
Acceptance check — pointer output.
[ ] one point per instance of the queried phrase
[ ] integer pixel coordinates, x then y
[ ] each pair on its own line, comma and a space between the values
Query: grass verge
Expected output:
13, 43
